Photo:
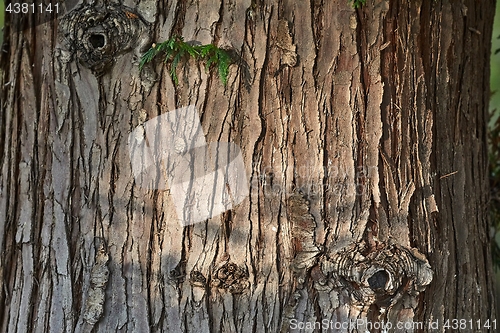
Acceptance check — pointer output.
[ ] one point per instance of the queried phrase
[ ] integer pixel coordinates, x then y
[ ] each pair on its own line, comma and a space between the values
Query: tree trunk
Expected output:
361, 132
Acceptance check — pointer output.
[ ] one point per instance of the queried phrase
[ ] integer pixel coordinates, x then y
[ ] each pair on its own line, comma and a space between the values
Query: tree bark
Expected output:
362, 132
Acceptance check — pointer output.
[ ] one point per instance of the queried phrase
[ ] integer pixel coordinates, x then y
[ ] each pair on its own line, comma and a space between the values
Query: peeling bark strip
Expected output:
362, 132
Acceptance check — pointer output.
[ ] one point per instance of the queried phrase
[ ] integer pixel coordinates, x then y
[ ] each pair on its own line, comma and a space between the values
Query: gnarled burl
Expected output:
368, 274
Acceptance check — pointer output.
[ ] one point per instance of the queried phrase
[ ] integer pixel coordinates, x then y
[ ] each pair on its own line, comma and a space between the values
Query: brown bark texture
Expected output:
362, 133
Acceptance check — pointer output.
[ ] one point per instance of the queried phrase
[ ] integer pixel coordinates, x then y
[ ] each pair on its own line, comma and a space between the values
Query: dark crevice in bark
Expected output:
209, 291
14, 157
4, 96
257, 147
317, 18
389, 92
452, 312
326, 157
360, 110
159, 96
150, 257
177, 27
179, 19
102, 110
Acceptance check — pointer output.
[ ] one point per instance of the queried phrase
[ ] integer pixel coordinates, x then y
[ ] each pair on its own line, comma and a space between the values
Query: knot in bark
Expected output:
197, 279
231, 277
381, 276
97, 34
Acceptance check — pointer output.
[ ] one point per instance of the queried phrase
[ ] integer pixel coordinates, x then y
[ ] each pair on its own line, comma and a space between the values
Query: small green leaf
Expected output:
210, 61
206, 50
162, 46
357, 3
168, 54
192, 51
147, 57
173, 67
171, 43
224, 61
223, 72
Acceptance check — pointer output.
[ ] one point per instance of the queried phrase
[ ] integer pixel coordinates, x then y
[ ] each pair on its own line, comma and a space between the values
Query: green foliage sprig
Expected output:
175, 49
357, 3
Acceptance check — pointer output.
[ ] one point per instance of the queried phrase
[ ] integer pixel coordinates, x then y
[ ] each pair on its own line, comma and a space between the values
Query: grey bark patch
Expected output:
148, 10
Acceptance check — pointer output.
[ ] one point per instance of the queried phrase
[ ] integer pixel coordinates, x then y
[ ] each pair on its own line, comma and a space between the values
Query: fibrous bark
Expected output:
362, 132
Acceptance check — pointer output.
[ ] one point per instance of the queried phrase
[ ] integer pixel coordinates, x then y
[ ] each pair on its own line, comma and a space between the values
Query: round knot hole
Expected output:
97, 40
378, 280
99, 32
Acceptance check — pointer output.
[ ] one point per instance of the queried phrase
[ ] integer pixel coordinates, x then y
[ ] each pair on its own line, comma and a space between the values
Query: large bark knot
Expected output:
97, 34
379, 276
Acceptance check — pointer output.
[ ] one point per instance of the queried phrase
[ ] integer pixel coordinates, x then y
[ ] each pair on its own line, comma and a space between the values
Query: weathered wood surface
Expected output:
363, 136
